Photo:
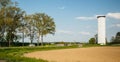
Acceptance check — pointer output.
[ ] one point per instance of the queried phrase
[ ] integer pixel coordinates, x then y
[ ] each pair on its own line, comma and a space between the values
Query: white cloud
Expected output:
116, 25
114, 15
61, 7
84, 33
65, 32
109, 15
85, 18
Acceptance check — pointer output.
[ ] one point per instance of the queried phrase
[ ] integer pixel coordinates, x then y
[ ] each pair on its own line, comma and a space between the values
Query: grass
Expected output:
15, 54
92, 45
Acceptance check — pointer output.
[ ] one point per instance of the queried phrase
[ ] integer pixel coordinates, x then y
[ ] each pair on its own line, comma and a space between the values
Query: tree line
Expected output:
13, 20
114, 40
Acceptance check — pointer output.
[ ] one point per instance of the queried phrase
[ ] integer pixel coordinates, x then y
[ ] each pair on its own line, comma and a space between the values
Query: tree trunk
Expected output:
9, 43
38, 40
23, 39
31, 37
42, 40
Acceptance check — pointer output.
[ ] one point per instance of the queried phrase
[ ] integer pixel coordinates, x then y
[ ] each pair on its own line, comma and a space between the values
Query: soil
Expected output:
92, 54
3, 61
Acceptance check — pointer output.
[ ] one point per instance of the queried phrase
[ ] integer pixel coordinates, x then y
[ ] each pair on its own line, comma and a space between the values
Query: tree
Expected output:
3, 5
25, 27
13, 19
92, 41
96, 38
116, 39
10, 19
44, 24
112, 39
2, 25
30, 26
10, 37
24, 30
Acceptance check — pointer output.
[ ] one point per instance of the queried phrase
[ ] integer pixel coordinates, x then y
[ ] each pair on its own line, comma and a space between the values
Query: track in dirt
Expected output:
92, 54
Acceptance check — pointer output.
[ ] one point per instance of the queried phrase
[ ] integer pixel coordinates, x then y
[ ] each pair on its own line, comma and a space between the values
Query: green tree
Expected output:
10, 18
116, 39
24, 30
30, 26
44, 24
3, 5
92, 41
112, 39
13, 19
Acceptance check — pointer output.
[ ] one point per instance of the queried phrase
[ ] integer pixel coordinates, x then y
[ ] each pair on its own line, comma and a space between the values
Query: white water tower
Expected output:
101, 30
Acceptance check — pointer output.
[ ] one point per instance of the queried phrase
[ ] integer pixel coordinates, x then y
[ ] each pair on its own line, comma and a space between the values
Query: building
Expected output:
101, 30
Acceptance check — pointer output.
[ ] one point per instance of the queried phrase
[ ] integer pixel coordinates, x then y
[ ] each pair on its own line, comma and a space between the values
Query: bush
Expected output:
92, 41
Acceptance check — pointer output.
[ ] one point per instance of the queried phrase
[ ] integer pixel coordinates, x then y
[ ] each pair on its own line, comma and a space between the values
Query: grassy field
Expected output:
15, 54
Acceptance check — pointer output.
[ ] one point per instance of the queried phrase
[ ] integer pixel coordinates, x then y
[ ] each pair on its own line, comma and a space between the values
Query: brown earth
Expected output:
92, 54
3, 61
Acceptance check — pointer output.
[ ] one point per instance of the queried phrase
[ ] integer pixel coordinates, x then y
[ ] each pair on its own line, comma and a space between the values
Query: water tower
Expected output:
101, 30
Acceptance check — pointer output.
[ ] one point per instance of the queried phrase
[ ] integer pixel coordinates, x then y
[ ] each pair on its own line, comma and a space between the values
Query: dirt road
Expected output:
92, 54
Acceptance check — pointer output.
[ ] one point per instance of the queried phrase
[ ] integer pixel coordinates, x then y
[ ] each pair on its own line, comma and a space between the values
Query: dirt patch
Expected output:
3, 61
93, 54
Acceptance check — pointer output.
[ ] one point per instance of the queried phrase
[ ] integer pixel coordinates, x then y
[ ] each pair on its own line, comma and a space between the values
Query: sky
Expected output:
76, 19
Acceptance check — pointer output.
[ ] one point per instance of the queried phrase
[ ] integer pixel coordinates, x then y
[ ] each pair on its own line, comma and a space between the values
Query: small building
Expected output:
60, 44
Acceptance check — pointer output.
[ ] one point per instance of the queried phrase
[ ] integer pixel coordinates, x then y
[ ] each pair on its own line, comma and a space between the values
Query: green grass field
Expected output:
15, 54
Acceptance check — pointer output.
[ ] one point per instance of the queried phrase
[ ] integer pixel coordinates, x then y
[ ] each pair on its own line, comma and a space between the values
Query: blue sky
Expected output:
76, 19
